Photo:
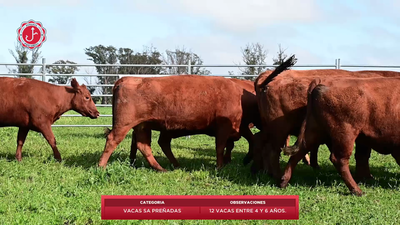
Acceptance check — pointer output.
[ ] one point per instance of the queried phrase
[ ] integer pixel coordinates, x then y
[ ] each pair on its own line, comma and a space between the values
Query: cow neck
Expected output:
66, 103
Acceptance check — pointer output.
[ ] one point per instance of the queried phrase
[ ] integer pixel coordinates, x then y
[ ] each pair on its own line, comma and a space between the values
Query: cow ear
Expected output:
74, 84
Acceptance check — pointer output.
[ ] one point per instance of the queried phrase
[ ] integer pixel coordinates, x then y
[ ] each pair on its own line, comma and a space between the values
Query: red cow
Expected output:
177, 106
346, 111
35, 105
282, 103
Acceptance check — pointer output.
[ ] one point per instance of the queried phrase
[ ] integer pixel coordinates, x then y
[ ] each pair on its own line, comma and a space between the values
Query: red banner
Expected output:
200, 207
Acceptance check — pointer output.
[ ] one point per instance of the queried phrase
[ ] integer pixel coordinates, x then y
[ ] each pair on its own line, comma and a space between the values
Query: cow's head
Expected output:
82, 101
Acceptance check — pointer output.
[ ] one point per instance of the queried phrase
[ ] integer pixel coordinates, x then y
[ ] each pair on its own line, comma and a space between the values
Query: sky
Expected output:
358, 32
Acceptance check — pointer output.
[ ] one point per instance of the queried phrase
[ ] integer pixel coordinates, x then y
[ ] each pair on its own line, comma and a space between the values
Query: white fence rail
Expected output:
44, 75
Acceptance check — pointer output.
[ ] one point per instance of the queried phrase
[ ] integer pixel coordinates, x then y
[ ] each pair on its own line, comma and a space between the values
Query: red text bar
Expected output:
200, 207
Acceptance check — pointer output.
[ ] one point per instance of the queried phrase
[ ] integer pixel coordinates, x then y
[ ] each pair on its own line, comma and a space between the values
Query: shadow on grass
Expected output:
204, 159
97, 135
8, 156
328, 176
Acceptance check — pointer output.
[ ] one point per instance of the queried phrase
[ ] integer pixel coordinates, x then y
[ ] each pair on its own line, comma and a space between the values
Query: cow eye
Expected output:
87, 98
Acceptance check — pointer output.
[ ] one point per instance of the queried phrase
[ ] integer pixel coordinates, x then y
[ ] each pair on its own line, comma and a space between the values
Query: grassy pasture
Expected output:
40, 190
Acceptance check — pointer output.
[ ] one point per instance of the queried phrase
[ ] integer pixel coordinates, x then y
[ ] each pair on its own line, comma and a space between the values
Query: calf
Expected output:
282, 103
35, 105
176, 106
347, 111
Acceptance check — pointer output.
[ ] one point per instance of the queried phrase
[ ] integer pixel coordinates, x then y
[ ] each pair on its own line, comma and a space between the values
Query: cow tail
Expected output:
291, 150
284, 66
115, 90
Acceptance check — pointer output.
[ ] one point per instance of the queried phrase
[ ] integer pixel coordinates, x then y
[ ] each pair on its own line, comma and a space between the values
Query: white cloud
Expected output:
28, 3
236, 15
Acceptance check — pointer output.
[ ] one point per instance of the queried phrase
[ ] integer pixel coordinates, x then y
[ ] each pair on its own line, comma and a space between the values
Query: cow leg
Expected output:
22, 133
164, 141
293, 161
314, 158
49, 136
362, 155
132, 155
248, 135
115, 137
341, 152
313, 138
143, 136
228, 153
221, 140
274, 150
257, 153
396, 156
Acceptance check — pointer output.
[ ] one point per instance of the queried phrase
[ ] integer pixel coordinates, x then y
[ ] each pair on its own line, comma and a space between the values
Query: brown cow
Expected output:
251, 115
347, 111
282, 102
250, 118
181, 105
35, 105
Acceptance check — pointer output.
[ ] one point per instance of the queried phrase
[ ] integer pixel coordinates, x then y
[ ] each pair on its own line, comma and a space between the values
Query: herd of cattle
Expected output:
335, 107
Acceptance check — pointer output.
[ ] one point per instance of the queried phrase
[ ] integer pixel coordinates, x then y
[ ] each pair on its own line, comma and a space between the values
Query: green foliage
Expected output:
21, 56
104, 55
182, 57
70, 69
253, 54
40, 190
280, 57
149, 55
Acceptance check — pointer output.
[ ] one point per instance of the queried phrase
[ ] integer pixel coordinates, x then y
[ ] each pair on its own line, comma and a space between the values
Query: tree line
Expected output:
252, 54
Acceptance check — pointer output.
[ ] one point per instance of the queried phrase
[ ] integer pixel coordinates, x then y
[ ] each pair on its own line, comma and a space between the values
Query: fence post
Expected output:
338, 63
190, 67
335, 63
44, 69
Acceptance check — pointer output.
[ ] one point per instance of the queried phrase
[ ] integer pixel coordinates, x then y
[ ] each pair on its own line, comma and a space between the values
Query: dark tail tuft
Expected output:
284, 66
107, 131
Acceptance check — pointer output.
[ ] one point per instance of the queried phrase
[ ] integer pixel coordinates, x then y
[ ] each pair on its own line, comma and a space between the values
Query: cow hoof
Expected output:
132, 163
246, 160
283, 183
254, 169
102, 167
161, 170
358, 193
176, 165
227, 160
316, 167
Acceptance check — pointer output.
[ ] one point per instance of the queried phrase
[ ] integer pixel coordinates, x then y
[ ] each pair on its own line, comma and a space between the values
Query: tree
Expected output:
70, 69
182, 57
104, 55
92, 89
150, 55
253, 54
21, 56
281, 57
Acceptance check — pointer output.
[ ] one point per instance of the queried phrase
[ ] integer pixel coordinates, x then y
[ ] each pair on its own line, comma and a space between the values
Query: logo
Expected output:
31, 34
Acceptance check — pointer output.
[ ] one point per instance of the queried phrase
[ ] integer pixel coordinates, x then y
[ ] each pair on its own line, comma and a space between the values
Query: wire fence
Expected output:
43, 75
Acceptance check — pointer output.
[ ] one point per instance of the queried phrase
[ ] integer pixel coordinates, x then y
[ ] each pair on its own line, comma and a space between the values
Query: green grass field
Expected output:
40, 190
